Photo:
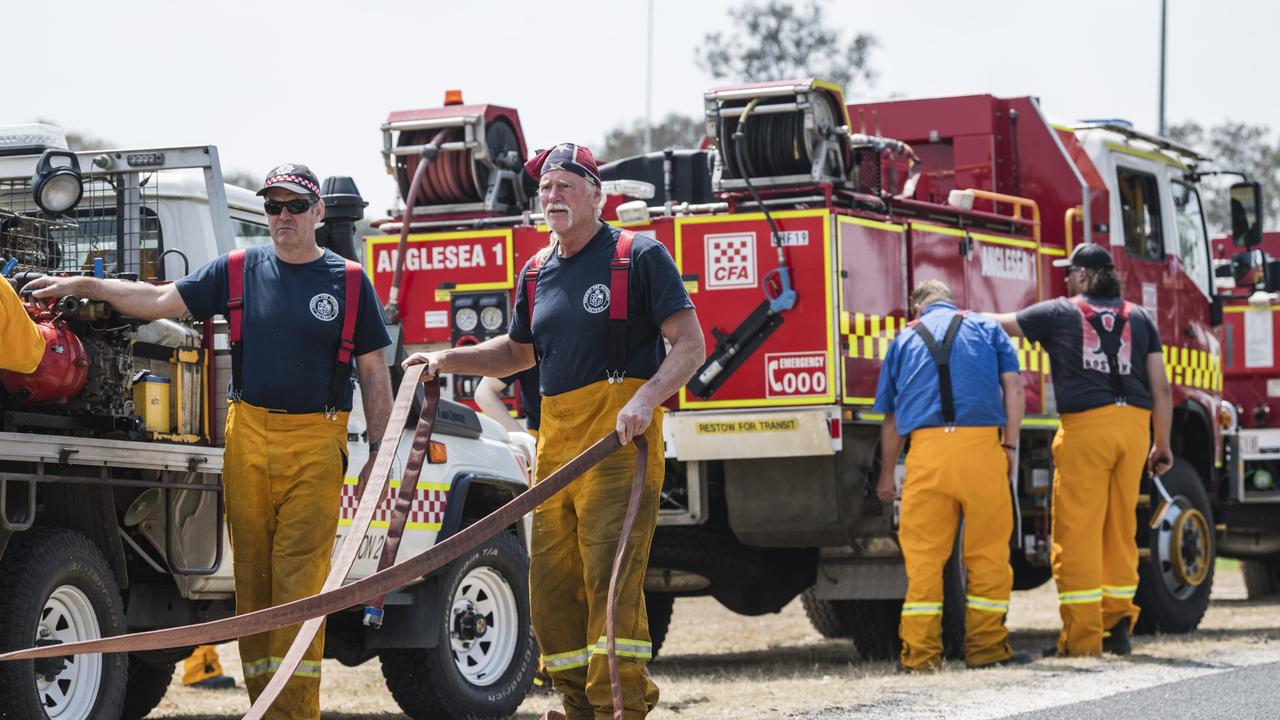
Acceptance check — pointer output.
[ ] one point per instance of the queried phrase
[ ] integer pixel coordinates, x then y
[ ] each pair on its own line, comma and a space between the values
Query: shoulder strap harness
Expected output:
942, 358
346, 345
619, 287
1110, 340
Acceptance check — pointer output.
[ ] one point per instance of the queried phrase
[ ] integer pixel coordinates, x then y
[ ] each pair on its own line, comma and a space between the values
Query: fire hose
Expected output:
336, 597
429, 153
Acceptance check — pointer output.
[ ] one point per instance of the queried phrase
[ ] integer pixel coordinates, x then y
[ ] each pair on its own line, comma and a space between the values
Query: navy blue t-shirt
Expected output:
571, 311
292, 323
530, 395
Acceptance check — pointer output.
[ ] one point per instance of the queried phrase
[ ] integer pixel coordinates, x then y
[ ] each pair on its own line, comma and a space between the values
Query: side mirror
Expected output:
1249, 268
1246, 214
1216, 311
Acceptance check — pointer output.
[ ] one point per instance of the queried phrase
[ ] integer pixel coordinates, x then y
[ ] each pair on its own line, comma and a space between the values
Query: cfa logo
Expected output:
596, 299
325, 307
731, 261
795, 374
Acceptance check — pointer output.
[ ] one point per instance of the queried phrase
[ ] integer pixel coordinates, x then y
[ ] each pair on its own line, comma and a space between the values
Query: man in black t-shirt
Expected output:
597, 377
286, 432
1113, 396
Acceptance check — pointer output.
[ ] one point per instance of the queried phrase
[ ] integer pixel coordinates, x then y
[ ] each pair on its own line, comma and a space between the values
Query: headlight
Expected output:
491, 318
57, 189
466, 319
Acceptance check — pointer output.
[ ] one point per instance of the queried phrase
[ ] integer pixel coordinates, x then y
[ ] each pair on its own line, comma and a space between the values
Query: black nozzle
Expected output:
343, 207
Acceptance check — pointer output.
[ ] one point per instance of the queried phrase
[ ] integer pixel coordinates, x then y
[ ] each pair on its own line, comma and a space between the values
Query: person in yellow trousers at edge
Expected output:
20, 339
950, 383
291, 391
593, 308
202, 669
1113, 397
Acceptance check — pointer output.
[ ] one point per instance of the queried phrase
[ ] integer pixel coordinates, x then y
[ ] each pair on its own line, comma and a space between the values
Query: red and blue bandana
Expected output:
576, 159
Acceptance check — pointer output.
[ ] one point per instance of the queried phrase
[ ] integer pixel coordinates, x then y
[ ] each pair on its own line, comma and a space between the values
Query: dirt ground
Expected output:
716, 664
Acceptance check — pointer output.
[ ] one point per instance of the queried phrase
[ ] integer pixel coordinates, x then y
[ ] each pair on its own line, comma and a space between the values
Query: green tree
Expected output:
776, 40
674, 131
1238, 146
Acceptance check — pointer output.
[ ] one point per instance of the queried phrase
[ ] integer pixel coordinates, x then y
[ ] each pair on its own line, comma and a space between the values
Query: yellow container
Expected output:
151, 398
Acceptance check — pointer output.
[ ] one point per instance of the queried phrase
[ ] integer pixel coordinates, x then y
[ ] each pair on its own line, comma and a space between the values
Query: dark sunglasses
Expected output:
295, 207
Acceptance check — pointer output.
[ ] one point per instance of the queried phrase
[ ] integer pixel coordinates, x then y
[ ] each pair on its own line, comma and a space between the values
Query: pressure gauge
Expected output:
491, 318
466, 319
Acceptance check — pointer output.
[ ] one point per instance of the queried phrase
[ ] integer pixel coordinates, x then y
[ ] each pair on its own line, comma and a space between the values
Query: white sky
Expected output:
270, 82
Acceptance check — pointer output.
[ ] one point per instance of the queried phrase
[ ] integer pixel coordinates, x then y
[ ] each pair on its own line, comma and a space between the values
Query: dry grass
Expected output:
720, 665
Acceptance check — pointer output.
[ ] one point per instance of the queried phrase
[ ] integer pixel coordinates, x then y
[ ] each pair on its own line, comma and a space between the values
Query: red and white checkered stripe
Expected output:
427, 506
294, 179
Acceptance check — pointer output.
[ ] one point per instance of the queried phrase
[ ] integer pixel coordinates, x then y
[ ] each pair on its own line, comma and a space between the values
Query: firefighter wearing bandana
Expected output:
1116, 409
950, 383
593, 309
298, 315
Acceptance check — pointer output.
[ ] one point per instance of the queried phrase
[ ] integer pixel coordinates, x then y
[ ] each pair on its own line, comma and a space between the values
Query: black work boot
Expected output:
1116, 640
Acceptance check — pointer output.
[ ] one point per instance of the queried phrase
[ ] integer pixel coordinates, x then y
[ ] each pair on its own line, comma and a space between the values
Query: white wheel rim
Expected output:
482, 660
69, 616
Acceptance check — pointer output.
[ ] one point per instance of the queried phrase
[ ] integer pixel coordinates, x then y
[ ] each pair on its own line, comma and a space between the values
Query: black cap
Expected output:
294, 177
1089, 256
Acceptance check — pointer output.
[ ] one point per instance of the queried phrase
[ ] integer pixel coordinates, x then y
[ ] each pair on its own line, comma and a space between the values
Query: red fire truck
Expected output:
1251, 383
799, 231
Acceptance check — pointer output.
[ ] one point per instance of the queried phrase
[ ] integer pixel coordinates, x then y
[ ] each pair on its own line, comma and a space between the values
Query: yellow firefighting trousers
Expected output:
575, 535
1098, 457
282, 476
21, 344
952, 473
202, 664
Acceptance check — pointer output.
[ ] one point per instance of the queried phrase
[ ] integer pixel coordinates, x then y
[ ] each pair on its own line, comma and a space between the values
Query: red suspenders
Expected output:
619, 287
346, 344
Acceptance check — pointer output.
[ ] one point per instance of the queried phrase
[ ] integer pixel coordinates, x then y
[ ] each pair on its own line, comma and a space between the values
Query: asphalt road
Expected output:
1251, 693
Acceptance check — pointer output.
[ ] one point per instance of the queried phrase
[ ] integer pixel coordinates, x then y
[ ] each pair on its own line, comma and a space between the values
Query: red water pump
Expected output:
62, 372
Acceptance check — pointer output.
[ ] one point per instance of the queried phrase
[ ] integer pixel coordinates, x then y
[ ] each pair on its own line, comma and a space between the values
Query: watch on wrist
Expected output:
373, 446
1007, 446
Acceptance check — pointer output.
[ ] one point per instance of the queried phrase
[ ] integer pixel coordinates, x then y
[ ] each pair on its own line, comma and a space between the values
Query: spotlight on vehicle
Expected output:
57, 189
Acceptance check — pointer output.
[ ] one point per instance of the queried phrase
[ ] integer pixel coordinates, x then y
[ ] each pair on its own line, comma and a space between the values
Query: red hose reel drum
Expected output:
478, 165
62, 372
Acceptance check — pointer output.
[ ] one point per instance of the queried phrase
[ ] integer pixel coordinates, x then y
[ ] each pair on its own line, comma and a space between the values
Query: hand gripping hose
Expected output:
345, 596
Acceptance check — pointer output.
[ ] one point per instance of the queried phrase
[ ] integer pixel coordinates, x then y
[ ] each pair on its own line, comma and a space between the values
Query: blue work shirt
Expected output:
909, 378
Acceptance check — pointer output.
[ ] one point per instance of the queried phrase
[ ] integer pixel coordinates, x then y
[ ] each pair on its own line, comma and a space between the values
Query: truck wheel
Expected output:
59, 589
831, 618
1261, 578
874, 627
658, 607
486, 657
145, 688
1174, 582
700, 560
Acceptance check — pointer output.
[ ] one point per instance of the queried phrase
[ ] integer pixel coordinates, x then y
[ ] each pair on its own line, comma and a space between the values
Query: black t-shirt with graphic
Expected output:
571, 311
1081, 373
291, 325
530, 395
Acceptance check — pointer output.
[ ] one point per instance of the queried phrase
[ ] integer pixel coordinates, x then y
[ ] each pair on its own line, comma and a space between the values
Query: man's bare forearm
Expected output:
1161, 401
496, 357
131, 298
1015, 405
375, 392
890, 444
1008, 321
688, 352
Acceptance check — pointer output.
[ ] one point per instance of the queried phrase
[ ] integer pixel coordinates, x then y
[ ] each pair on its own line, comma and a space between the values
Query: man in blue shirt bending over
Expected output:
942, 384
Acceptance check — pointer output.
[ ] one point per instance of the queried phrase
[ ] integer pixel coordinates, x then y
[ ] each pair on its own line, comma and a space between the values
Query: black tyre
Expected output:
1174, 582
1261, 578
486, 657
58, 588
874, 627
658, 607
831, 618
955, 585
700, 560
145, 688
